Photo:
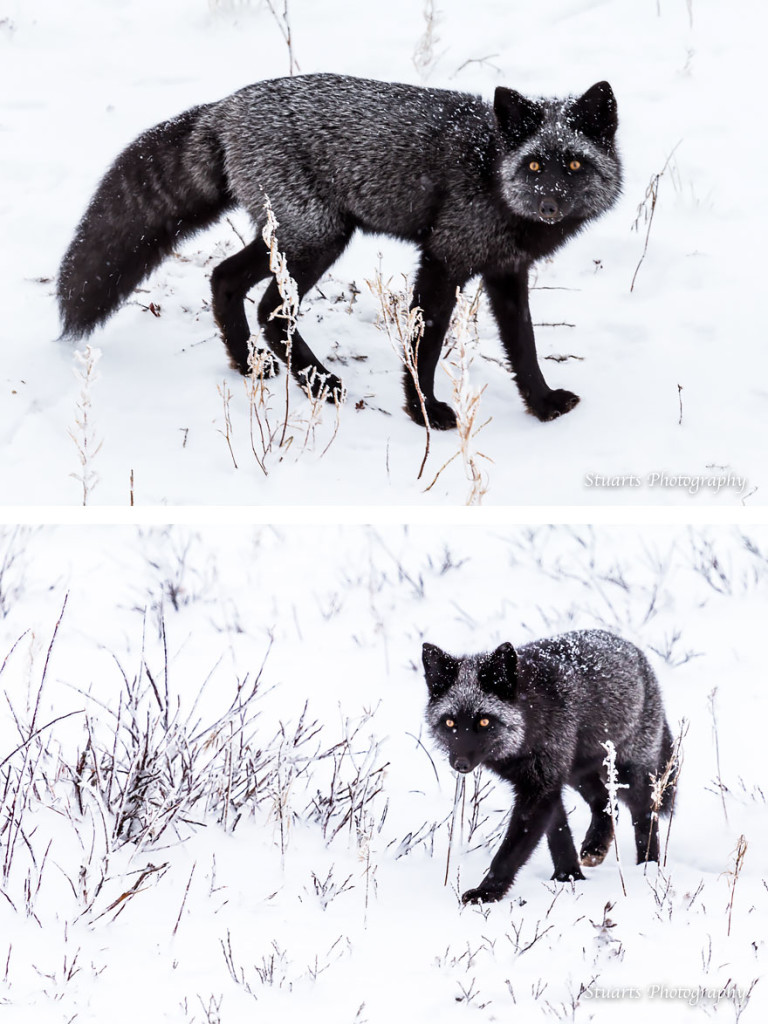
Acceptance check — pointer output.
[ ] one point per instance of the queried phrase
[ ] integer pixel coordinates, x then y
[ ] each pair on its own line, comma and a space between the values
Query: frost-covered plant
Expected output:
12, 545
327, 889
318, 392
284, 25
733, 875
181, 571
646, 210
666, 781
424, 54
84, 436
226, 398
152, 765
613, 786
403, 324
356, 781
463, 341
288, 310
22, 775
272, 434
458, 797
264, 432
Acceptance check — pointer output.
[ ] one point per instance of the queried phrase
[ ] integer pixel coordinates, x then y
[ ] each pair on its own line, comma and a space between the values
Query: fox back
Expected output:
416, 163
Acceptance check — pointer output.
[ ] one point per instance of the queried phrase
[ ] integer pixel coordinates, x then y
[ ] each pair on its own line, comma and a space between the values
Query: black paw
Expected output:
439, 414
552, 404
593, 855
597, 843
483, 894
574, 874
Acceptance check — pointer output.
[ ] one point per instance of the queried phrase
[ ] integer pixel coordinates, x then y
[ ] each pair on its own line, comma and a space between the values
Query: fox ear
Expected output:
440, 669
517, 116
498, 674
596, 112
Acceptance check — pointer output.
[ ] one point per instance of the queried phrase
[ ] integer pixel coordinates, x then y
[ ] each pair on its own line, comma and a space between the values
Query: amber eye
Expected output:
534, 165
484, 723
575, 165
449, 723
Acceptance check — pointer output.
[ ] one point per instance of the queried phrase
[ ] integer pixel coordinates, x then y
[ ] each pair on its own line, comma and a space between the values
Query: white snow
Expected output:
79, 80
265, 913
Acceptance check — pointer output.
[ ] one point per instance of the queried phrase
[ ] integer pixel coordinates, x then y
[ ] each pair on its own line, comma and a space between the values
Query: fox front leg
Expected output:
530, 819
508, 295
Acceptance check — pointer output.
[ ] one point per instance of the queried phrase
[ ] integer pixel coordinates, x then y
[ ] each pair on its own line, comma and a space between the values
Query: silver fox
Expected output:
481, 189
537, 717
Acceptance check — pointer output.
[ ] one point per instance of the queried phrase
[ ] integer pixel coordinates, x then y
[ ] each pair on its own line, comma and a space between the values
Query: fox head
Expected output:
472, 711
559, 158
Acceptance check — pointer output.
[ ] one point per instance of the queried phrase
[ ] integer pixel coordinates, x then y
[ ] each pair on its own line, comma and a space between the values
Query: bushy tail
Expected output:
167, 184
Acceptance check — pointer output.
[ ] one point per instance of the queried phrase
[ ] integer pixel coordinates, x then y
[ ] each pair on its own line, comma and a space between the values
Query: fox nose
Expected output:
549, 209
462, 764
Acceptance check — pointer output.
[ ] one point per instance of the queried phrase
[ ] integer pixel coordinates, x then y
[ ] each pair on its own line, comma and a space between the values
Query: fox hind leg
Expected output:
306, 271
233, 279
638, 798
230, 283
597, 841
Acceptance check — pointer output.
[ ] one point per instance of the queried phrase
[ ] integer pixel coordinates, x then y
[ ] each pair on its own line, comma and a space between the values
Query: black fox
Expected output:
479, 188
538, 717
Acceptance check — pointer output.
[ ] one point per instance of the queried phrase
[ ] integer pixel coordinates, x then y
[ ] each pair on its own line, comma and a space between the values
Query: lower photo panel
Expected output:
347, 773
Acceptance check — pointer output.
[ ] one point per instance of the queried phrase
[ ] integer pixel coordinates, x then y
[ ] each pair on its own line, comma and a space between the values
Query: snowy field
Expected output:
220, 804
671, 374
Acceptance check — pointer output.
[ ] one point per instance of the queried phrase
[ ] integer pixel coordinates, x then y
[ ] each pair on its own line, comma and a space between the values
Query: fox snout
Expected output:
549, 209
461, 764
465, 761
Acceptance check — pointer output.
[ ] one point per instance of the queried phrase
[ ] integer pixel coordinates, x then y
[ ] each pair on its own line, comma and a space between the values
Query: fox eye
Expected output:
575, 165
534, 165
484, 723
449, 723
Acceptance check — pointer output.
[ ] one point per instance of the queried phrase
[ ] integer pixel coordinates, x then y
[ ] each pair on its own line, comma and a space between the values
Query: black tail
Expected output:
167, 184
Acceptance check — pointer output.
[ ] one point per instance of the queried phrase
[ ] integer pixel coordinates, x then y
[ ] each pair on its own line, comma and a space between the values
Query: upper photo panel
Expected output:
265, 252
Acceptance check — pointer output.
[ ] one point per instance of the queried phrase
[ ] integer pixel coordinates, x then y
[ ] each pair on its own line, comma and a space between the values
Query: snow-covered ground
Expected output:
242, 817
671, 374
